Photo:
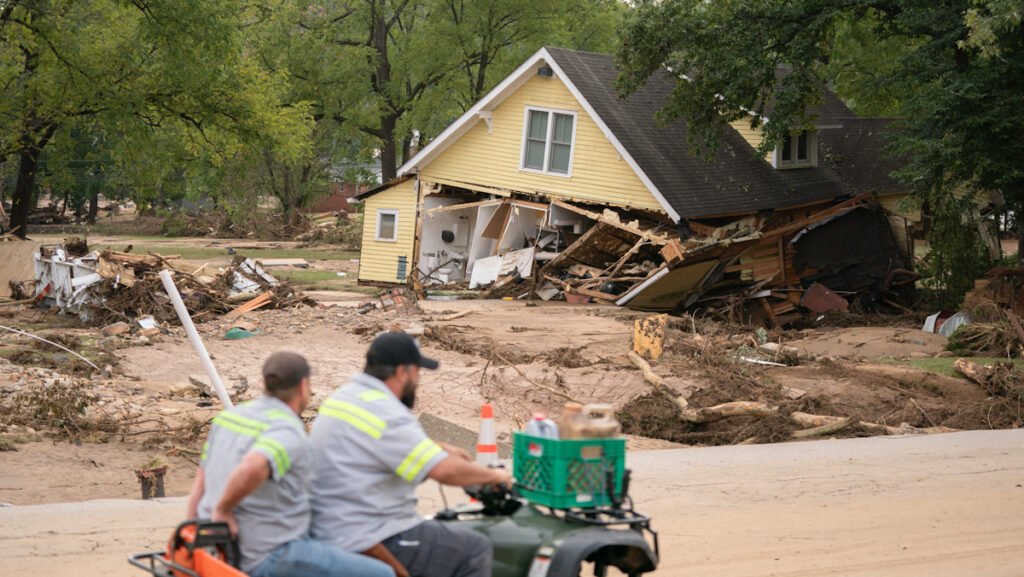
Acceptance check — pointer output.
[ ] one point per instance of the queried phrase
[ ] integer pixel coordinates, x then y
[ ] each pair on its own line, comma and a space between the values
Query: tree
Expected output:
954, 73
381, 71
133, 67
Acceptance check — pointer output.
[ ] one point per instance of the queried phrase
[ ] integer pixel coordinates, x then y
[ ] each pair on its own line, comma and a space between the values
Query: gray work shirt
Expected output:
278, 511
370, 453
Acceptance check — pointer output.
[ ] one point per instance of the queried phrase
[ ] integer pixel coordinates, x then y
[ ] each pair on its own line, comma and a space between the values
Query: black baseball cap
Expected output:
394, 349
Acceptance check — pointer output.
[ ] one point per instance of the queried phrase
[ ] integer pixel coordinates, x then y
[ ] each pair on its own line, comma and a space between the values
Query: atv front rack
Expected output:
158, 565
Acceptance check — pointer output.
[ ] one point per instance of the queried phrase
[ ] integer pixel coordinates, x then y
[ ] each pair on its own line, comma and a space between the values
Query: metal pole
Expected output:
193, 335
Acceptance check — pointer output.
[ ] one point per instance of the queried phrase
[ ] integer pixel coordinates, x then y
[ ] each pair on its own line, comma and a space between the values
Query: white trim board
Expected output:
499, 93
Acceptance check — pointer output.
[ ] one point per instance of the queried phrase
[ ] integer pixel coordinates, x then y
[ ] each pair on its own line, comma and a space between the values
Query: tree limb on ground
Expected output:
551, 390
656, 381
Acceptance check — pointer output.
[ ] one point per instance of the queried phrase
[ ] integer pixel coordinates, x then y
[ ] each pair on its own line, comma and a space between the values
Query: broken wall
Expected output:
852, 252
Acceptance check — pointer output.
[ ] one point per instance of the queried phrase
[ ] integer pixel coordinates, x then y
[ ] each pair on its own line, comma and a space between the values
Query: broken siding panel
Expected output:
379, 260
492, 159
754, 137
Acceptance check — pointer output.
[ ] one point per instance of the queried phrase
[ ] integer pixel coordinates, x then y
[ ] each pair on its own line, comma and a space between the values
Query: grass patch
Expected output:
214, 252
348, 288
307, 276
944, 366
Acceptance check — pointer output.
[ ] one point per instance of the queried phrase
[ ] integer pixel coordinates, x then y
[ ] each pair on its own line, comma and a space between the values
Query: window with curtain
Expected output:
548, 141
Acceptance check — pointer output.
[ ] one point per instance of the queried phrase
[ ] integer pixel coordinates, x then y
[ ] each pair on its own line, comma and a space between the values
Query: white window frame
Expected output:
381, 212
547, 141
812, 152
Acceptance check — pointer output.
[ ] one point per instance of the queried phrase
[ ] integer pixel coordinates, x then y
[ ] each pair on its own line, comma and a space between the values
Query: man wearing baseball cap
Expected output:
254, 475
371, 453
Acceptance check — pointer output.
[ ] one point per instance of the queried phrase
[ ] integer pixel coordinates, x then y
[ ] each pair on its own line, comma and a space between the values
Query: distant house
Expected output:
539, 159
343, 190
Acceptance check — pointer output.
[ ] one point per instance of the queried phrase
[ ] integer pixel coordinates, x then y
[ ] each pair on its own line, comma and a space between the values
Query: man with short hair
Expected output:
255, 474
371, 453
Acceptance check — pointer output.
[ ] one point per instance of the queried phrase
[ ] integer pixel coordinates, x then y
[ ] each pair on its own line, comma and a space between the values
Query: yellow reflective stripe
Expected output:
278, 451
417, 458
373, 395
352, 420
360, 412
206, 447
277, 414
422, 462
239, 424
245, 421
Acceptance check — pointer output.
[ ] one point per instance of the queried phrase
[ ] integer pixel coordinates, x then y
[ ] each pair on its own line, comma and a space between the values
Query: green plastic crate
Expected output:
567, 473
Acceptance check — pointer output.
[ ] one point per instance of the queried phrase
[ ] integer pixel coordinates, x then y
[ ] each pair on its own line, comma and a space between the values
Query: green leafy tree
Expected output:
135, 67
953, 72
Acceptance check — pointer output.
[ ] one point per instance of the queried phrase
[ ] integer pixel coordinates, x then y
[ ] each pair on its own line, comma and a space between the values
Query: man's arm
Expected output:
196, 494
247, 476
455, 451
460, 473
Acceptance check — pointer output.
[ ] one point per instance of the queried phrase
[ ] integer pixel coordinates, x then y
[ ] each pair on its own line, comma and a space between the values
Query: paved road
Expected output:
895, 506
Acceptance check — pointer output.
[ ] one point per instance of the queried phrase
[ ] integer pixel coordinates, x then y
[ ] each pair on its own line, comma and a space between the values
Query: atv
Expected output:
529, 540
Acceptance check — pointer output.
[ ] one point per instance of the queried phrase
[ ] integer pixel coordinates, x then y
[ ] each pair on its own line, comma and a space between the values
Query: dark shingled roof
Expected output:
737, 181
858, 154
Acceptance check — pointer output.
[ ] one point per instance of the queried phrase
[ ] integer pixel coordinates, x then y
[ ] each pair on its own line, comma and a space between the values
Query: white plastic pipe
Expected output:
193, 335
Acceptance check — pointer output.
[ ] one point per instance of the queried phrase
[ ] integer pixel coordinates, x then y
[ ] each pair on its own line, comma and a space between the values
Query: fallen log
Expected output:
454, 316
656, 381
973, 371
725, 410
825, 429
809, 420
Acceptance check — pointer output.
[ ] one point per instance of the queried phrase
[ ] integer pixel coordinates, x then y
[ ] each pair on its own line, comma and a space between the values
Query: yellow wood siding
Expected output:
753, 136
492, 159
378, 260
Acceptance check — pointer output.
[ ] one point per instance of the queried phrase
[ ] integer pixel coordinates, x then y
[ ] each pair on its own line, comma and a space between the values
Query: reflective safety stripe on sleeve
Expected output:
417, 459
356, 416
206, 447
278, 451
239, 424
373, 395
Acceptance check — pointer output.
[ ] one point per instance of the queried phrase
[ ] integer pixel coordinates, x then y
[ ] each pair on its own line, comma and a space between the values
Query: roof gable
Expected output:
686, 186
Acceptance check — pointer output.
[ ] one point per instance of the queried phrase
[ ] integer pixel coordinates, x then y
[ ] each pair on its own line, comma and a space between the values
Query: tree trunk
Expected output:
388, 148
94, 206
1019, 229
28, 163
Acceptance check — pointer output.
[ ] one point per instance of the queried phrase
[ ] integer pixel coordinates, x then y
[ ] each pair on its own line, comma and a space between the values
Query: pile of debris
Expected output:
754, 268
102, 287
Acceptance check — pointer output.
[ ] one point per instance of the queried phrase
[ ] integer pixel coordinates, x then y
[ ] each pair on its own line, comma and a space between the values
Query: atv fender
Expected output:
625, 549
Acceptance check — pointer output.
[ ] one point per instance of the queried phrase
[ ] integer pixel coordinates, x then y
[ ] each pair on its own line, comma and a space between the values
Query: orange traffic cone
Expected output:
487, 443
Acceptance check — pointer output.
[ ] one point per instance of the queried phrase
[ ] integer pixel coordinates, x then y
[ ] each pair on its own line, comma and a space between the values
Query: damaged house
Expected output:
552, 185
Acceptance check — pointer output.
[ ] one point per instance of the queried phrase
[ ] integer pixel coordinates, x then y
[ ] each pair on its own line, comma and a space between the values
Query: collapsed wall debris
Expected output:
107, 286
820, 258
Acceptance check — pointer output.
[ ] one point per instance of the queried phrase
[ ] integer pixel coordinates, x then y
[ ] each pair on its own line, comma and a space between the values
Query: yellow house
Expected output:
550, 148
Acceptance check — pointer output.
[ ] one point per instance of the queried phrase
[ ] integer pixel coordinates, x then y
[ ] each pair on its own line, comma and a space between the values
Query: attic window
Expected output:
797, 151
548, 139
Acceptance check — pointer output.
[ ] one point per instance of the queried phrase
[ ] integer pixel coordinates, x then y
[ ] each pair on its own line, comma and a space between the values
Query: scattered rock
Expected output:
202, 382
116, 329
945, 355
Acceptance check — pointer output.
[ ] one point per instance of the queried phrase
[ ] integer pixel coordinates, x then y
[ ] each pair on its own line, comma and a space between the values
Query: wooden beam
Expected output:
463, 206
